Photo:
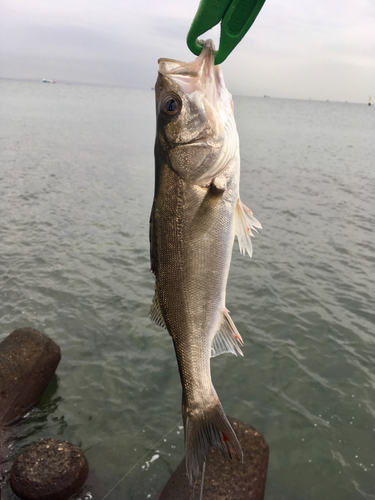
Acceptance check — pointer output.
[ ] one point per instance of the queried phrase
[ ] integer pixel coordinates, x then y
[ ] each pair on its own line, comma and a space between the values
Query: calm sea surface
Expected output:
76, 187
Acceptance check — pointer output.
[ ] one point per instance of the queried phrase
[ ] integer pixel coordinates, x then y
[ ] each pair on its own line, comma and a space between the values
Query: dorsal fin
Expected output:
226, 338
244, 222
152, 238
155, 312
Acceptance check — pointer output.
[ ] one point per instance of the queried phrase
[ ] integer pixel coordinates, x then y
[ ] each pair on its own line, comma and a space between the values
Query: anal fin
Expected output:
227, 338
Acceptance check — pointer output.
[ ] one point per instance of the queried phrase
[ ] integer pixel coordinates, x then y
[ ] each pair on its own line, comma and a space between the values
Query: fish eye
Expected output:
171, 106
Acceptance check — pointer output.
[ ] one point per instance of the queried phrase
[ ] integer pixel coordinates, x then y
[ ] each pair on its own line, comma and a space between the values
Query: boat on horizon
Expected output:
48, 81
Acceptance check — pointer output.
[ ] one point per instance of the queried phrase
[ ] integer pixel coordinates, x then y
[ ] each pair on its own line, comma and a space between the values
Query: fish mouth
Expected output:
174, 67
200, 141
198, 75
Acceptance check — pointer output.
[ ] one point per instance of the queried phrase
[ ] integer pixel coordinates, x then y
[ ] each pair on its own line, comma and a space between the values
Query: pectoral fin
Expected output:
206, 215
227, 338
244, 222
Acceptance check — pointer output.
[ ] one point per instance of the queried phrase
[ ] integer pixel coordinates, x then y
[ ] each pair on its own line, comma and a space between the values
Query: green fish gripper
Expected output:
236, 17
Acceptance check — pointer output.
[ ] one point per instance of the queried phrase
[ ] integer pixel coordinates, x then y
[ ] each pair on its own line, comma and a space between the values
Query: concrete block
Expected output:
28, 360
49, 470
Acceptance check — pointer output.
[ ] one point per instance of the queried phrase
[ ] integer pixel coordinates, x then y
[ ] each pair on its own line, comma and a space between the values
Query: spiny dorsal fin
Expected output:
155, 312
226, 338
244, 222
152, 241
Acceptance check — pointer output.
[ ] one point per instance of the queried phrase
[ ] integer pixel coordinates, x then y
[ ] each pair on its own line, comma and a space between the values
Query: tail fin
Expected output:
210, 428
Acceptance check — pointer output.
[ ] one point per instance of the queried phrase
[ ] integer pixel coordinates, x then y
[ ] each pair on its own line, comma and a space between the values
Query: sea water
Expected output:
76, 188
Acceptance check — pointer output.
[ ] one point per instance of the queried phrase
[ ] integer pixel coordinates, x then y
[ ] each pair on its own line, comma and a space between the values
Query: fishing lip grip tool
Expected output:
236, 17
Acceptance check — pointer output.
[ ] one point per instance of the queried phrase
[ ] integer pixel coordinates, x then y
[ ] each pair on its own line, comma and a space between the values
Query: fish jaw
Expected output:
195, 76
201, 137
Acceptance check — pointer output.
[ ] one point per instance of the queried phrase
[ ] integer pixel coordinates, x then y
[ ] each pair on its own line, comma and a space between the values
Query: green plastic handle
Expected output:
236, 15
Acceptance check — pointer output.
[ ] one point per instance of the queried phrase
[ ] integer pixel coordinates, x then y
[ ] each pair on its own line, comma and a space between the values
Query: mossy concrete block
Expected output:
49, 470
225, 478
28, 360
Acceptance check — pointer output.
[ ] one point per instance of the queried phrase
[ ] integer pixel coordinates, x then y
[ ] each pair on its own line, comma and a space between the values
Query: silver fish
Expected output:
195, 216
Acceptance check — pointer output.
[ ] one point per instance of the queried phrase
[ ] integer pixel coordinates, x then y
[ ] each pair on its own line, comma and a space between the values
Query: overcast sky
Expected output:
318, 49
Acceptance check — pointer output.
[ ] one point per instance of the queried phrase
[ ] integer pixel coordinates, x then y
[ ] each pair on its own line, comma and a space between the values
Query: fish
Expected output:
195, 216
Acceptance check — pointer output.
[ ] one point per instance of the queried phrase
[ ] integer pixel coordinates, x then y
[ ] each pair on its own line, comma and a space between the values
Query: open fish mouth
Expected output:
200, 74
191, 69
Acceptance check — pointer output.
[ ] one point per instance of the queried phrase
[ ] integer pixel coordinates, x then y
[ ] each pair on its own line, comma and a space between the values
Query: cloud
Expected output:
310, 48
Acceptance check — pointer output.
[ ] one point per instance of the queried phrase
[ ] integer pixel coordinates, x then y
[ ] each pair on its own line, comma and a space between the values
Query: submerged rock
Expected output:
225, 479
28, 360
49, 470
